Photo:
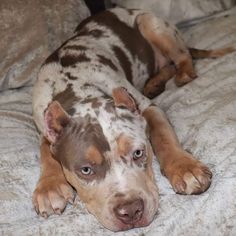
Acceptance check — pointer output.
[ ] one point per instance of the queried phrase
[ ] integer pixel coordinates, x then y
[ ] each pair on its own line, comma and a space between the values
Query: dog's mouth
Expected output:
139, 224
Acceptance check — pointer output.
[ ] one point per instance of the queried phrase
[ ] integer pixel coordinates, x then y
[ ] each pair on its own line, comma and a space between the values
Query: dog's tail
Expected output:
200, 54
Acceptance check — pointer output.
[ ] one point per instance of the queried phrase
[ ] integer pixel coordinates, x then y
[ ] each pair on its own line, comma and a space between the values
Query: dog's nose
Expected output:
130, 212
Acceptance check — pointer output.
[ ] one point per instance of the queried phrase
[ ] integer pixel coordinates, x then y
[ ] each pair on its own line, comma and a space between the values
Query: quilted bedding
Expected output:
203, 113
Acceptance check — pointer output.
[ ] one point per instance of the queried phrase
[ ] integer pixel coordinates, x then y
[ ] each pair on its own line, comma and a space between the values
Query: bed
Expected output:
203, 114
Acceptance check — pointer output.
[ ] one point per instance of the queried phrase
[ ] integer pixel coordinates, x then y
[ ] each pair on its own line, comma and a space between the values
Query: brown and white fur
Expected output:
98, 129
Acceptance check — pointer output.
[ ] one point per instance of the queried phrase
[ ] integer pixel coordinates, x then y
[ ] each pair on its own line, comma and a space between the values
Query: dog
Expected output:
100, 130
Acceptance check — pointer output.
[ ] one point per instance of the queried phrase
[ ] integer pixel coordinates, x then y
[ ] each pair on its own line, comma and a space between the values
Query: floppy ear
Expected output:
56, 119
122, 98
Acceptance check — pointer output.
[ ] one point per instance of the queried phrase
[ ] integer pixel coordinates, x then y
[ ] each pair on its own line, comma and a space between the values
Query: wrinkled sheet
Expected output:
29, 31
179, 10
203, 113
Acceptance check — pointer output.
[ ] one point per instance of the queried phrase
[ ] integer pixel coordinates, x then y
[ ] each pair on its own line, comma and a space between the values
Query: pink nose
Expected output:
130, 212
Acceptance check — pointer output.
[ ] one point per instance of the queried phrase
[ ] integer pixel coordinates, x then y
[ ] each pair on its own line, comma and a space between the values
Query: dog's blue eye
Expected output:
138, 154
86, 170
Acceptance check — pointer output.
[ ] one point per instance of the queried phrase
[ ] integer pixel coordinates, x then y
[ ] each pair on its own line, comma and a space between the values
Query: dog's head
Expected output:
107, 158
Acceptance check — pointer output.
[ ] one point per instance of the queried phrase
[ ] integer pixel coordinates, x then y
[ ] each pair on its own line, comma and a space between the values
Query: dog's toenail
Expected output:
44, 215
57, 211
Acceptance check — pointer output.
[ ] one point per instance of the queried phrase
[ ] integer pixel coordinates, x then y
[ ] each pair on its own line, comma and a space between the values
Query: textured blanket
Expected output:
203, 113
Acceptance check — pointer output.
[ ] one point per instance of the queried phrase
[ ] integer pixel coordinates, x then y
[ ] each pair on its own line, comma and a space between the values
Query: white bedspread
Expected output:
203, 114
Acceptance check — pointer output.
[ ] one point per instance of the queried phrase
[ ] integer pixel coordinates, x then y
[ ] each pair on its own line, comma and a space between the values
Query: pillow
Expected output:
178, 10
29, 31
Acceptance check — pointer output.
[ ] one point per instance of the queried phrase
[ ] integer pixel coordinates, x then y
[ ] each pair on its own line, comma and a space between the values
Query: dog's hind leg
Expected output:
166, 39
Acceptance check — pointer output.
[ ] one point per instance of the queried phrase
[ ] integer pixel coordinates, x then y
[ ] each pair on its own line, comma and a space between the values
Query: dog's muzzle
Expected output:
129, 212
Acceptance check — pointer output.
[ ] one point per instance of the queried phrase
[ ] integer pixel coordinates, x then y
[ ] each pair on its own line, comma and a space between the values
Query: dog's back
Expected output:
108, 46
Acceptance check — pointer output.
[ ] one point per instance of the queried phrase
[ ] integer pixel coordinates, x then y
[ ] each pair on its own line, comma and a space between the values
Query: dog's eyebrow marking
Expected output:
70, 60
67, 99
107, 62
124, 62
94, 156
83, 142
124, 145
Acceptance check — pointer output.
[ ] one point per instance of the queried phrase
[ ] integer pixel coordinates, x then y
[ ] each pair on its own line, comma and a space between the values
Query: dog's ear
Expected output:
56, 119
123, 99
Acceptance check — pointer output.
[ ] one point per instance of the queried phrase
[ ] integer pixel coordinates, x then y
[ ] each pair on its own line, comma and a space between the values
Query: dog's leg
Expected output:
52, 191
186, 175
156, 85
166, 38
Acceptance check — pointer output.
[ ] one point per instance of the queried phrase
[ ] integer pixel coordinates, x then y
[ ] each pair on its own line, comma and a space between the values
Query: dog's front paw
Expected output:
51, 195
187, 175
